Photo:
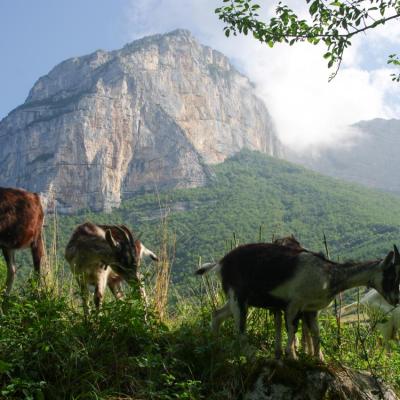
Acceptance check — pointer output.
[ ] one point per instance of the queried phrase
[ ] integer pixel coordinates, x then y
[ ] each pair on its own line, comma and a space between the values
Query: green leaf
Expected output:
314, 7
4, 367
285, 18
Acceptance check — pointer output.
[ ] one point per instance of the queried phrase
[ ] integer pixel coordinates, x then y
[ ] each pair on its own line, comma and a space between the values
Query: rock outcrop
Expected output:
150, 116
293, 380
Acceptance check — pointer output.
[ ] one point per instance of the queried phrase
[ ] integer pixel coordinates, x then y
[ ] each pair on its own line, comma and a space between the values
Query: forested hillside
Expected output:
255, 196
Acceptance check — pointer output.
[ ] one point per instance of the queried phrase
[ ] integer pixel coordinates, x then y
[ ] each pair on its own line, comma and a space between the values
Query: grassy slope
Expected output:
48, 350
252, 190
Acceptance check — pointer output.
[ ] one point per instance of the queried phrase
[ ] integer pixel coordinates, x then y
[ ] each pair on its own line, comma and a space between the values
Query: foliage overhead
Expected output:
332, 22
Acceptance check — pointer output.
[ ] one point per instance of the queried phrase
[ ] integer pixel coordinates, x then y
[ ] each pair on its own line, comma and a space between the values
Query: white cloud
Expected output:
293, 81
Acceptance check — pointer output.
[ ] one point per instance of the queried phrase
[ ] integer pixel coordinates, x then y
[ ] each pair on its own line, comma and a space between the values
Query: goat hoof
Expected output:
278, 355
249, 350
292, 356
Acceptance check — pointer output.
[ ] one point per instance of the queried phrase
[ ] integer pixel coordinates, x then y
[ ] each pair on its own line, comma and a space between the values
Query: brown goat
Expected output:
21, 222
288, 241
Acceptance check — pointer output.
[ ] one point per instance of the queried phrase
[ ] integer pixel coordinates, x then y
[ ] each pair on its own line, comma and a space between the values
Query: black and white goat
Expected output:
293, 243
297, 281
105, 255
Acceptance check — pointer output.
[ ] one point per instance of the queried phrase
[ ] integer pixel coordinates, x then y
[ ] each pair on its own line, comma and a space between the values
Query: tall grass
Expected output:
56, 280
162, 279
48, 350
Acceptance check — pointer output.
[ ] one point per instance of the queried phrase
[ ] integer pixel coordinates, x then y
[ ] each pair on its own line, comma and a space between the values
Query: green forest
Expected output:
255, 197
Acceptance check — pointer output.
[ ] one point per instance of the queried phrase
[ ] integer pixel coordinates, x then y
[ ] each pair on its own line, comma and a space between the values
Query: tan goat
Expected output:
101, 255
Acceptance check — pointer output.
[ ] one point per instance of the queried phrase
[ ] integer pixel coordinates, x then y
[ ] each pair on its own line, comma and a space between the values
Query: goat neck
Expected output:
350, 275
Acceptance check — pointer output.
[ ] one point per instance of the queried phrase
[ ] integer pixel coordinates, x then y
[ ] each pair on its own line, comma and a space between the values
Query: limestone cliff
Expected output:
150, 116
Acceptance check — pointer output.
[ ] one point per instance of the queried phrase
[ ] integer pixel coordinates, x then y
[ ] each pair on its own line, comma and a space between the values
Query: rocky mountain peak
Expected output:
152, 115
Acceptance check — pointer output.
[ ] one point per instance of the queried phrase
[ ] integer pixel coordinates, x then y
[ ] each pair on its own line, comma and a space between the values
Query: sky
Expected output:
293, 81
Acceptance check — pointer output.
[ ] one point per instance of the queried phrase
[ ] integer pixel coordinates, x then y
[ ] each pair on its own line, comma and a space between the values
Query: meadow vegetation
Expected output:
49, 350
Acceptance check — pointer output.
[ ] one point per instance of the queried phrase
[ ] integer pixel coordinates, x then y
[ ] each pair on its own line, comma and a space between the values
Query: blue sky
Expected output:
35, 35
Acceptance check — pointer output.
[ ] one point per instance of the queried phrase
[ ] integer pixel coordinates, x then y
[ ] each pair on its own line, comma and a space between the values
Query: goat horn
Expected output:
129, 233
396, 255
117, 227
133, 236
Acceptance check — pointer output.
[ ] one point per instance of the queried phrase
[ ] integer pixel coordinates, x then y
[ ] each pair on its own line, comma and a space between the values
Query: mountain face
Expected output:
150, 116
372, 159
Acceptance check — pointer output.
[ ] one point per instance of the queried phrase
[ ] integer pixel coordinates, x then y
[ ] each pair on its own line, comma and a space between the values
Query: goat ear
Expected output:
387, 262
110, 240
396, 255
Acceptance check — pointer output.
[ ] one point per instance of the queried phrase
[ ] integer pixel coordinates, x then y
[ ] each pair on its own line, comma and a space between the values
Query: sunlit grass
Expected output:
49, 350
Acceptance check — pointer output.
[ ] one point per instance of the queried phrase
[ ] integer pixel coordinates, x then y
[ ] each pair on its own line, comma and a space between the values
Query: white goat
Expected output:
385, 317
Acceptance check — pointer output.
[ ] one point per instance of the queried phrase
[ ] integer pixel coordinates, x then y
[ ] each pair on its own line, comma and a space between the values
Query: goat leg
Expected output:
219, 316
311, 319
9, 256
278, 333
291, 318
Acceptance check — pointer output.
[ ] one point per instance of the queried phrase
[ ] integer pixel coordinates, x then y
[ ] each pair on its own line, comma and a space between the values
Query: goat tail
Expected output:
207, 267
